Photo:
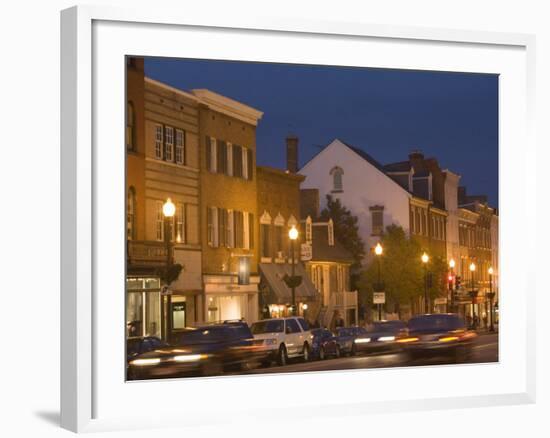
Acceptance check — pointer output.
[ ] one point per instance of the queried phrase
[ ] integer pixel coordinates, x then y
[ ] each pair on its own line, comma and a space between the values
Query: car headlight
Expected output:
145, 362
386, 338
190, 357
362, 340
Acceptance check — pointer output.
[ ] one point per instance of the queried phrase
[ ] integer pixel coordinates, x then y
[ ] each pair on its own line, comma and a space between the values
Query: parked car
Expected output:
204, 351
436, 335
284, 338
382, 336
350, 340
324, 344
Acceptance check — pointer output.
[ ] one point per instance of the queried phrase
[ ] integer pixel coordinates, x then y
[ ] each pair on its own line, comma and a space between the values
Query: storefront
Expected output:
226, 299
143, 306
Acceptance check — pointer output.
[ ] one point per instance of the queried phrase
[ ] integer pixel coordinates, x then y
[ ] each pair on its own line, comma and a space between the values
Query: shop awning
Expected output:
273, 274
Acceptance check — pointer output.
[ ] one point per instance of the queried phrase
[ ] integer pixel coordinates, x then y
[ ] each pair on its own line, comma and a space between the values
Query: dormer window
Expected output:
337, 184
330, 233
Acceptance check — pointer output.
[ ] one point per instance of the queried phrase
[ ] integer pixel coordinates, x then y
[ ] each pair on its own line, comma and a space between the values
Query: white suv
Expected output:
284, 337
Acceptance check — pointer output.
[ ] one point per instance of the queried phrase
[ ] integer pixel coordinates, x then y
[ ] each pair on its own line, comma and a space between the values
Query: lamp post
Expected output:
451, 280
473, 293
168, 211
293, 235
378, 251
491, 296
425, 259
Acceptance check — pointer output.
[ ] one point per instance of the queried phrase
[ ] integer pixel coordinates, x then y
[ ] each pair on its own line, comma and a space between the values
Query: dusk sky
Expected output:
387, 113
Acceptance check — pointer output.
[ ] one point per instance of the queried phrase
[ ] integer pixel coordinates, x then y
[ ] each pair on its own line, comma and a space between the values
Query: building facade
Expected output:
228, 208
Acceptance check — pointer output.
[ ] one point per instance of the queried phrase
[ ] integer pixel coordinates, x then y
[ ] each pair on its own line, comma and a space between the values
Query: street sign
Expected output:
166, 290
306, 252
379, 297
440, 301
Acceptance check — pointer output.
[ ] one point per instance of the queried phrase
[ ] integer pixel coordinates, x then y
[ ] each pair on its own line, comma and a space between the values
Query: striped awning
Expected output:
273, 276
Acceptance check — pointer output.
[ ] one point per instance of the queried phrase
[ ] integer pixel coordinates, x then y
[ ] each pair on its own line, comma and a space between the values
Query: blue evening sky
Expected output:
387, 113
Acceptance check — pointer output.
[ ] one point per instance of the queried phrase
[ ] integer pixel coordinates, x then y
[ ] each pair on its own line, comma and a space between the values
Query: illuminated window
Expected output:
169, 144
180, 146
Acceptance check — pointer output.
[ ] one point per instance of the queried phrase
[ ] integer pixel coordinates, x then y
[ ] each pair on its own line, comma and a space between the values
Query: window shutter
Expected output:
221, 226
249, 163
251, 230
237, 161
221, 157
208, 147
209, 227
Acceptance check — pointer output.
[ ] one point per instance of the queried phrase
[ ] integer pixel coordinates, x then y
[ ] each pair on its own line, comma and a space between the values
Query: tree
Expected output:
346, 232
401, 270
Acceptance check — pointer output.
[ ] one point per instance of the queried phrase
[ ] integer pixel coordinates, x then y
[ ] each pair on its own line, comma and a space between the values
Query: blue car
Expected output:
349, 339
324, 344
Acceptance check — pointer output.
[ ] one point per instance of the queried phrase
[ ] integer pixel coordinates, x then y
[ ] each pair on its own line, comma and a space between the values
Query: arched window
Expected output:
130, 125
131, 214
337, 184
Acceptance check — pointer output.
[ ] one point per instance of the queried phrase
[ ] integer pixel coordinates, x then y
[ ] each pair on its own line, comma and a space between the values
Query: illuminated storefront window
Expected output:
143, 306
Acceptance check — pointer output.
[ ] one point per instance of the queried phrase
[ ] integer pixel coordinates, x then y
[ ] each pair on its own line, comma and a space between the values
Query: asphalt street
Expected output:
484, 350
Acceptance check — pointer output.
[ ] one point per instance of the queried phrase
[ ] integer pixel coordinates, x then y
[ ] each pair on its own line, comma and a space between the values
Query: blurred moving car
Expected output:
351, 340
324, 344
204, 351
284, 338
442, 334
137, 345
382, 336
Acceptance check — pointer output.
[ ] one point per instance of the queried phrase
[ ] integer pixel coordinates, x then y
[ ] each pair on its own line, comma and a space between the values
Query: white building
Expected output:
359, 182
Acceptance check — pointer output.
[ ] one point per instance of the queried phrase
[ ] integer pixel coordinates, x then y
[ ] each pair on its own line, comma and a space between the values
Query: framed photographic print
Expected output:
266, 204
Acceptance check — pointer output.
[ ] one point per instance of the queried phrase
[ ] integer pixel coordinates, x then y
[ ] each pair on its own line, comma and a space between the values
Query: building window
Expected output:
159, 221
238, 224
337, 184
250, 231
249, 164
169, 143
131, 218
180, 146
180, 223
229, 159
222, 157
211, 154
237, 161
377, 214
130, 125
265, 238
212, 226
158, 142
279, 233
417, 221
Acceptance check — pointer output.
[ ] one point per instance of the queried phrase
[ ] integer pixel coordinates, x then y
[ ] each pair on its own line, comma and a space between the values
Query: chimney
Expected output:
292, 153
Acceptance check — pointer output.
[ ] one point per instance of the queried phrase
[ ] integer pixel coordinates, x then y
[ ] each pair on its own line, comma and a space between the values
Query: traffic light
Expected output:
457, 282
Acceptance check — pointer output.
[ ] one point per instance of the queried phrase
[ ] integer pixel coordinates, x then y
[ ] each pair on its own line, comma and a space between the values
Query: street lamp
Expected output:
425, 259
293, 235
378, 250
473, 293
452, 265
491, 296
168, 211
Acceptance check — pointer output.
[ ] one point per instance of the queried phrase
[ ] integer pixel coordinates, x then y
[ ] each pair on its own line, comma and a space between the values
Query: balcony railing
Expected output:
342, 300
146, 252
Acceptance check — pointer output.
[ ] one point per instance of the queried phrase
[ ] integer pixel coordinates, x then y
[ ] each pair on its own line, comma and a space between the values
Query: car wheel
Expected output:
282, 357
305, 352
322, 353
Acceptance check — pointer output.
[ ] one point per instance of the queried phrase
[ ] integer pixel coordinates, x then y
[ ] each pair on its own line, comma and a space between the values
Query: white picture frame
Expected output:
90, 396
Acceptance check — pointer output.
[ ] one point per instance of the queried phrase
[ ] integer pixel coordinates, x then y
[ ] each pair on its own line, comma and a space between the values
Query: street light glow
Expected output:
452, 263
472, 266
293, 233
168, 209
425, 258
490, 270
304, 306
378, 249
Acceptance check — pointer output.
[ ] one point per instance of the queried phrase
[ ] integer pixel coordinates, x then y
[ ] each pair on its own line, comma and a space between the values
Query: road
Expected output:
484, 350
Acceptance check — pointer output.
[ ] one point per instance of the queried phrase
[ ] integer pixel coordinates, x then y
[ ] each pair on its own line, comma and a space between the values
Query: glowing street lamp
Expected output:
473, 293
491, 296
452, 265
425, 259
378, 250
293, 235
168, 211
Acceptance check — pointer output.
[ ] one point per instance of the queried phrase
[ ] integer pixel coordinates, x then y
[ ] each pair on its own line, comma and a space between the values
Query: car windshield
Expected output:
270, 326
434, 323
344, 332
381, 326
